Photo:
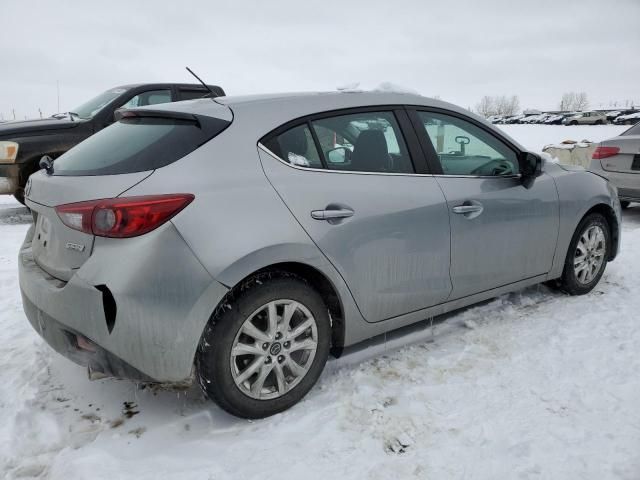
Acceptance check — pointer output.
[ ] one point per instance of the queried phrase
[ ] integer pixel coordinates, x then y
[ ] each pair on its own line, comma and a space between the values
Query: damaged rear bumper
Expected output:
161, 297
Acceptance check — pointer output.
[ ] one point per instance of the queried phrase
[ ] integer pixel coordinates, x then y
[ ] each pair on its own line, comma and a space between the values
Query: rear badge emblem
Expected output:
75, 246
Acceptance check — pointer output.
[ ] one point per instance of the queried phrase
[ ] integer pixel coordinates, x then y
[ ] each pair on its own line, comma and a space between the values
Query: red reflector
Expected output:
604, 152
122, 217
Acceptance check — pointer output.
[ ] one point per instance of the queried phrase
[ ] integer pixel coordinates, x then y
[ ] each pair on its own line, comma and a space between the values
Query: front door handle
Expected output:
470, 209
331, 214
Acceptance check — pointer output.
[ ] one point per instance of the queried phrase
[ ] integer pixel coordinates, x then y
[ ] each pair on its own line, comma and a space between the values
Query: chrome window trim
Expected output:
327, 170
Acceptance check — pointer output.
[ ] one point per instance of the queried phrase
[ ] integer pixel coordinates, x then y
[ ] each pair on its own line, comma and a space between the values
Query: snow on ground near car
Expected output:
533, 384
535, 137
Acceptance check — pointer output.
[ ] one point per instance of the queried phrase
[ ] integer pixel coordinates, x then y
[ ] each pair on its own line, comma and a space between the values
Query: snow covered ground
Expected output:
533, 384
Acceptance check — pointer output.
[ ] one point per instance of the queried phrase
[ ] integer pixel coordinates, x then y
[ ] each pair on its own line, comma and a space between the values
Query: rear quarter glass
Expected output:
138, 144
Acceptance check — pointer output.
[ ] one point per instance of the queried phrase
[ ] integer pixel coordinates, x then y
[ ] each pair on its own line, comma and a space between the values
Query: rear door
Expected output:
349, 179
501, 231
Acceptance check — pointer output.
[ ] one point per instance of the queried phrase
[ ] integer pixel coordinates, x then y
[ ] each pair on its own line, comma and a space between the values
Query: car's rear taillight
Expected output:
122, 217
604, 152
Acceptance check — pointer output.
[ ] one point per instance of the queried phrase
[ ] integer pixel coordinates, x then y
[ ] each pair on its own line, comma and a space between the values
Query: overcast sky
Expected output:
459, 50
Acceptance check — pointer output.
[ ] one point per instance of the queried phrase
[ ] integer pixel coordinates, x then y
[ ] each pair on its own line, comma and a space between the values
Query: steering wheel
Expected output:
494, 168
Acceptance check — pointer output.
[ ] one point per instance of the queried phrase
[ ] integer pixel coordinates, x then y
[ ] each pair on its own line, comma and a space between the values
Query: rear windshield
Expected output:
635, 130
137, 144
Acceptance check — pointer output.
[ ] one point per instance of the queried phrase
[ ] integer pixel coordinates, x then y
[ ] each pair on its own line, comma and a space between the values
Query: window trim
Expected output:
408, 135
430, 152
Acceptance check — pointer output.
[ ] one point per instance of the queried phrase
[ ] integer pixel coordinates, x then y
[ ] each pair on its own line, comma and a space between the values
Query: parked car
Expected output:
312, 222
586, 118
554, 119
618, 160
628, 119
495, 119
27, 141
531, 119
513, 119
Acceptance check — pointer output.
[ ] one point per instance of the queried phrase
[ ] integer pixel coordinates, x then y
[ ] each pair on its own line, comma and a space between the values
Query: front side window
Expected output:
363, 142
152, 97
465, 149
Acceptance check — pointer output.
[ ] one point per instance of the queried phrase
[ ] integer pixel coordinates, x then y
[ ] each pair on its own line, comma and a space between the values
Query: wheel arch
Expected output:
317, 279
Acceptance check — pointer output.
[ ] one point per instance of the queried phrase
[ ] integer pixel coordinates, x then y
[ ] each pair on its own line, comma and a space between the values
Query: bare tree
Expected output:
498, 105
574, 101
486, 107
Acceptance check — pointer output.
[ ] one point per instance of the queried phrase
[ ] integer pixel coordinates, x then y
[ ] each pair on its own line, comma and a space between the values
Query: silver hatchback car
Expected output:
239, 242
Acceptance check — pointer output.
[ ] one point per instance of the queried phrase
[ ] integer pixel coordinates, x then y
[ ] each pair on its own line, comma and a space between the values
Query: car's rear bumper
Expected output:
9, 175
627, 184
161, 300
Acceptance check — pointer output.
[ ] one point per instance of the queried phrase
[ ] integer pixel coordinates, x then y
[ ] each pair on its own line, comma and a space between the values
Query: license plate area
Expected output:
635, 165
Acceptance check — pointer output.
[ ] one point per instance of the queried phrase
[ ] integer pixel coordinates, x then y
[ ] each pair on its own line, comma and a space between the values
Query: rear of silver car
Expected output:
106, 298
618, 159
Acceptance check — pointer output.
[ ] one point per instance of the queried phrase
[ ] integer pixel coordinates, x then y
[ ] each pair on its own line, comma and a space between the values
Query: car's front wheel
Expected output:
266, 347
587, 255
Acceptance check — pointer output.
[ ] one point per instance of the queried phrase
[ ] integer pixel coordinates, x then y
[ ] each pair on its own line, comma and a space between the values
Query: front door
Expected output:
501, 230
350, 182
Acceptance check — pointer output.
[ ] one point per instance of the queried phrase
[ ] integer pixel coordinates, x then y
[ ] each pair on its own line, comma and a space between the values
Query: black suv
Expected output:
23, 143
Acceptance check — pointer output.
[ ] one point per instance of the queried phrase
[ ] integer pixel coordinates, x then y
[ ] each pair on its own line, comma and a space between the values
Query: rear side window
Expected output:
137, 144
296, 146
358, 142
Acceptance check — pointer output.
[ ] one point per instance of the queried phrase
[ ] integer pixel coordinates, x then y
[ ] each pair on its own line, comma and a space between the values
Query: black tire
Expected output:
213, 359
19, 195
569, 283
624, 204
573, 123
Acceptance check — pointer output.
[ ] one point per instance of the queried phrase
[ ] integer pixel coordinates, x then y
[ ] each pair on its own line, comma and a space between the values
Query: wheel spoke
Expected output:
307, 344
256, 386
250, 370
289, 310
273, 319
296, 369
300, 329
246, 349
281, 381
250, 329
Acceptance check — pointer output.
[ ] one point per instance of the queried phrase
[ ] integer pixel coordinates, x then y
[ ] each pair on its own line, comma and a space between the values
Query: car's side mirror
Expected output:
530, 165
339, 155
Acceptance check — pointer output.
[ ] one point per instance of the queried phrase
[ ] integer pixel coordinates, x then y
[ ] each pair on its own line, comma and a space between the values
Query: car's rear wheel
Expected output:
587, 256
265, 349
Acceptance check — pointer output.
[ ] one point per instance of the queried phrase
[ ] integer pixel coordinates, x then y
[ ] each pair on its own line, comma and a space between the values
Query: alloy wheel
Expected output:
589, 255
274, 349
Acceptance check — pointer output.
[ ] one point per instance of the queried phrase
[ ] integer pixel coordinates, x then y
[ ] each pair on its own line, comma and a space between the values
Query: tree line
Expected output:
510, 105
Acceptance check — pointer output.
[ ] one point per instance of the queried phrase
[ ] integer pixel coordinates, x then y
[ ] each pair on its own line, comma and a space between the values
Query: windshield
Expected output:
635, 130
89, 109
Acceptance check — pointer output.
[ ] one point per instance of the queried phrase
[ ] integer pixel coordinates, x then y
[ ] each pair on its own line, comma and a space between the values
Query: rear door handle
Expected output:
470, 209
331, 214
467, 209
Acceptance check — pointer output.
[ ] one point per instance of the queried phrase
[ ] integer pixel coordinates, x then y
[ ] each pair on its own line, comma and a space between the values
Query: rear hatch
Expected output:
627, 159
104, 166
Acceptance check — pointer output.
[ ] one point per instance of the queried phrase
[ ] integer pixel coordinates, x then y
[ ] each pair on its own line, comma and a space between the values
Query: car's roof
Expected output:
268, 111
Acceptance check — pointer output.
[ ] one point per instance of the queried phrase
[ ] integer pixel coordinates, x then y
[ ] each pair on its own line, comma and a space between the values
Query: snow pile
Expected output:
386, 87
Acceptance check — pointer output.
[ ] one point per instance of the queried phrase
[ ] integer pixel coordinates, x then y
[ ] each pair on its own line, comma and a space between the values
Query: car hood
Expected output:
35, 127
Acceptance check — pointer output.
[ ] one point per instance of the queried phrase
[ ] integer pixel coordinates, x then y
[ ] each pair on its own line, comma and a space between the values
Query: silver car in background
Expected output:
618, 160
239, 241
